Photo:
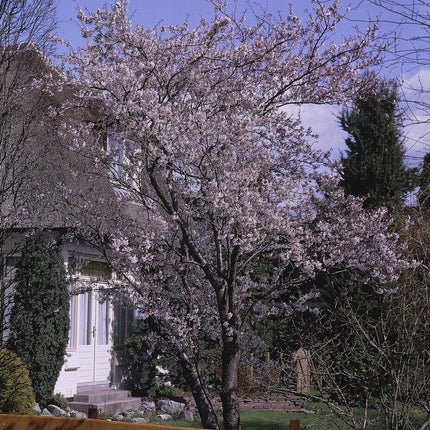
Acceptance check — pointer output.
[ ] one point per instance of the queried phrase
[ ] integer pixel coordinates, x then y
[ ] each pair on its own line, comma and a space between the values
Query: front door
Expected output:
93, 341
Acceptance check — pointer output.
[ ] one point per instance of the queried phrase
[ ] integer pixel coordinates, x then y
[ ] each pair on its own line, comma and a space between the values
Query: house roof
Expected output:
44, 181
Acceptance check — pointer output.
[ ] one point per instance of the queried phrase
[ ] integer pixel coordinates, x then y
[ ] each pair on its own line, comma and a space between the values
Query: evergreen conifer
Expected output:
424, 183
374, 162
40, 314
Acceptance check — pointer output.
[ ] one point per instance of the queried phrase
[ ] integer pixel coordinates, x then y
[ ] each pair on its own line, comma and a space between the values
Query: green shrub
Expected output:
16, 391
136, 363
159, 389
57, 400
39, 321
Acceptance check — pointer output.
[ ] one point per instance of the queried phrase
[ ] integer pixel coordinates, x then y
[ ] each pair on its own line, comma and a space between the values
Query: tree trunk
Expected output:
203, 403
229, 398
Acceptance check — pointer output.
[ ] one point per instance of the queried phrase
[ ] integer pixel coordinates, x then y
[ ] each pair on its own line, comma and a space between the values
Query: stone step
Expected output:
96, 386
110, 406
100, 396
104, 398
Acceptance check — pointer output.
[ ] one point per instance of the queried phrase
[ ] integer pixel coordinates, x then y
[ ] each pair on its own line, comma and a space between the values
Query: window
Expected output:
103, 323
86, 266
124, 157
85, 319
123, 324
96, 269
9, 266
116, 150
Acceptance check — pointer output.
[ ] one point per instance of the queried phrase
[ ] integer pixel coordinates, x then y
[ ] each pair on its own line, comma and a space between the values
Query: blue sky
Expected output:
323, 119
150, 12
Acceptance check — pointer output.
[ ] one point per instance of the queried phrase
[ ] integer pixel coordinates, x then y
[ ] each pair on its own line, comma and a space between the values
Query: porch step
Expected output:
105, 400
101, 396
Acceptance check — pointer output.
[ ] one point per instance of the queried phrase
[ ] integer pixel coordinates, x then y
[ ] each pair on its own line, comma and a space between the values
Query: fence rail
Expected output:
32, 422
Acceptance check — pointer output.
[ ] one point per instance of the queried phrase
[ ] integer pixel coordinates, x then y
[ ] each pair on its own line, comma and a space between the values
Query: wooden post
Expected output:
294, 424
251, 371
301, 359
267, 357
93, 412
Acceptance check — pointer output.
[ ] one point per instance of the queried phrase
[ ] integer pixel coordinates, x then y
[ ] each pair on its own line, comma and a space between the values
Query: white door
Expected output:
94, 339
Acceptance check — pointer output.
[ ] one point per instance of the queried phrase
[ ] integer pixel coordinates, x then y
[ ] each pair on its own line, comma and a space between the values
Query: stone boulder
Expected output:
188, 415
148, 406
170, 406
140, 420
56, 411
127, 414
77, 414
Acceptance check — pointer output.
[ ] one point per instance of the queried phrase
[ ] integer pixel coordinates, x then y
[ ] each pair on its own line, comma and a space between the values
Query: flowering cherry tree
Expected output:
215, 178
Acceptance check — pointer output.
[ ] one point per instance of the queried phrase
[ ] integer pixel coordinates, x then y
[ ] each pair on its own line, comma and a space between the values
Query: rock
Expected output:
170, 406
77, 414
37, 408
165, 417
189, 416
148, 406
140, 420
46, 413
128, 414
56, 411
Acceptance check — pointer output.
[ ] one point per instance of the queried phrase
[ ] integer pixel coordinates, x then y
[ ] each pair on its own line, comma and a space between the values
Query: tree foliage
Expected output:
39, 323
374, 164
424, 183
16, 391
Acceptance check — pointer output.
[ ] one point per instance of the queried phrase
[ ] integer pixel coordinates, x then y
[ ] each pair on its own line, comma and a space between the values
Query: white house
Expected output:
90, 354
34, 162
90, 351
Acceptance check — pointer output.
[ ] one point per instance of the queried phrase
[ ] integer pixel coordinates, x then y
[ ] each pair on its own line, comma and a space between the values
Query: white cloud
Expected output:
323, 120
417, 84
416, 93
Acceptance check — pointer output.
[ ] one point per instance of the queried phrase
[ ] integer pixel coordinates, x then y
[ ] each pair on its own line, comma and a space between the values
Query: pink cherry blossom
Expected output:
213, 178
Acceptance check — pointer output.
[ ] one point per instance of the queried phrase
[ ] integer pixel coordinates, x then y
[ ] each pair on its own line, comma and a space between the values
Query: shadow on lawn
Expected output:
248, 423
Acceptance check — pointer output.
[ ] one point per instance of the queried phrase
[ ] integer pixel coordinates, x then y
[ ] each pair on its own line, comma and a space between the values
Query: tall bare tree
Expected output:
25, 26
27, 21
405, 26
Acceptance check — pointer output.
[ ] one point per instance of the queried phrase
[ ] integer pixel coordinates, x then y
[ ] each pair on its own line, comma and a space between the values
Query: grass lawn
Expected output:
267, 420
322, 419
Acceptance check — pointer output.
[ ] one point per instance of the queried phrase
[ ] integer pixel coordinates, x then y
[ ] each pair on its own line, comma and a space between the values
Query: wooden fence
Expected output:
33, 422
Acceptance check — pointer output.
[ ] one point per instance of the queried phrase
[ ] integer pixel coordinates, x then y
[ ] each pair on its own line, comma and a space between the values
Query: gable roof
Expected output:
44, 181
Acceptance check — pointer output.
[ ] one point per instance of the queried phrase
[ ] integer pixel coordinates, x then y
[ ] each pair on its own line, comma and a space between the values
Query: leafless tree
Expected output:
25, 26
370, 352
405, 28
27, 21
